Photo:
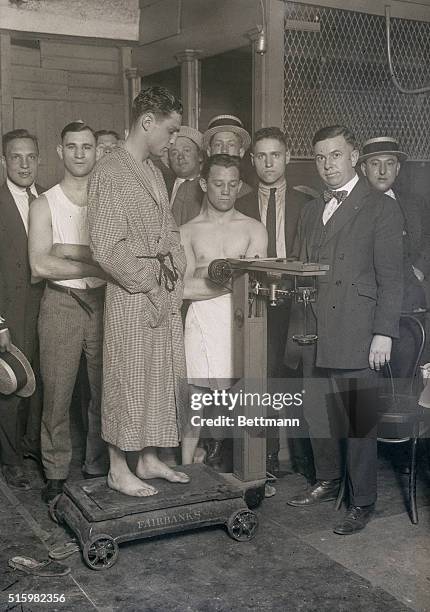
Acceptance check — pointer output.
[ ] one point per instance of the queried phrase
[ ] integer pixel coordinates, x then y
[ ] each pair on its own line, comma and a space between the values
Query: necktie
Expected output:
271, 223
338, 195
30, 195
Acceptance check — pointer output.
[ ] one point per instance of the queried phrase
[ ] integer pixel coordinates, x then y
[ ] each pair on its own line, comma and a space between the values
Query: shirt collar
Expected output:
16, 189
349, 186
391, 193
266, 188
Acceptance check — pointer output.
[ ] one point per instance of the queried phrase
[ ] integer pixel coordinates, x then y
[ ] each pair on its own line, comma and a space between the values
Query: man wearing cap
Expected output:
380, 163
278, 206
19, 299
185, 157
71, 312
357, 232
226, 134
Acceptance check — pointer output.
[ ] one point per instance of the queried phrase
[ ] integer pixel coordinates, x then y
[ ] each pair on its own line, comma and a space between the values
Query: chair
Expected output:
399, 414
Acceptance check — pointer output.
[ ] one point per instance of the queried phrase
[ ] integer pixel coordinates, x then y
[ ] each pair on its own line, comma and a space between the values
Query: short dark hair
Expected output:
270, 132
220, 159
107, 133
18, 134
76, 126
157, 100
335, 130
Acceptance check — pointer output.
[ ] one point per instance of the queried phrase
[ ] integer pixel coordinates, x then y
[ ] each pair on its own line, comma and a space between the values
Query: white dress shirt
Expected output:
332, 206
178, 182
20, 197
263, 201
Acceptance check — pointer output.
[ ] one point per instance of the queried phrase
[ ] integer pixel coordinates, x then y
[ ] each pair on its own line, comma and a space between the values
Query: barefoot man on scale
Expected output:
135, 240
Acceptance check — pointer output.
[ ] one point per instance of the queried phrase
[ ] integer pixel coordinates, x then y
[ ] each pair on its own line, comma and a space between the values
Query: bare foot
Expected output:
154, 468
130, 485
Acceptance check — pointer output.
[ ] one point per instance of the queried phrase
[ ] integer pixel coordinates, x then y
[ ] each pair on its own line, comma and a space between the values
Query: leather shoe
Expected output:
322, 491
355, 520
15, 477
52, 489
272, 464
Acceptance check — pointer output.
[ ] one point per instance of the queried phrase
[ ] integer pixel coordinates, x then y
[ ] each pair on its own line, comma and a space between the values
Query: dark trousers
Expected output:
340, 409
11, 407
277, 331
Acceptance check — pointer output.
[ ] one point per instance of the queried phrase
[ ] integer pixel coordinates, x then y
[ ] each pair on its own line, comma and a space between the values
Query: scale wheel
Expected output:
242, 525
100, 552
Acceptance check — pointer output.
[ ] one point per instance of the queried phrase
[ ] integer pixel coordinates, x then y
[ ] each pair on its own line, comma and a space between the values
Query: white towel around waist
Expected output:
209, 342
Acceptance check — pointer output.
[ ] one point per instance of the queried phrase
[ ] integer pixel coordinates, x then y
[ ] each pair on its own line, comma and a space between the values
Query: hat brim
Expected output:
30, 386
401, 155
245, 137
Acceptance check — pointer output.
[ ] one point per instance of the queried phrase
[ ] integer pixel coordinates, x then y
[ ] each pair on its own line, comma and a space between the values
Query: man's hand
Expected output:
380, 351
5, 341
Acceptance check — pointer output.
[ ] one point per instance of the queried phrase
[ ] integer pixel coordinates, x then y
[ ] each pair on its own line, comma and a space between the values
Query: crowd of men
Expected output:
99, 265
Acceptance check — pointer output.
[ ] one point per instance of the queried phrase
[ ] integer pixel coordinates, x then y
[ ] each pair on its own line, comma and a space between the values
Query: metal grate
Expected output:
336, 71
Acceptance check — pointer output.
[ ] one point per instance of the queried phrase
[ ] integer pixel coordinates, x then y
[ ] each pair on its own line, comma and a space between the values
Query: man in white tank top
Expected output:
71, 313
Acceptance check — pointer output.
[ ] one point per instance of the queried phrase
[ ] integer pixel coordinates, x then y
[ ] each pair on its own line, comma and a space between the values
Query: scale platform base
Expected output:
102, 518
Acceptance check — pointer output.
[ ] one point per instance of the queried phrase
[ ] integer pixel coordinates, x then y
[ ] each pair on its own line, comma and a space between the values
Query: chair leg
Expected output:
413, 482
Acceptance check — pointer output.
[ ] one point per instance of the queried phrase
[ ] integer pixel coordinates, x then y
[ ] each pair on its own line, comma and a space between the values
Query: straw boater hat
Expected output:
226, 123
16, 375
191, 133
383, 145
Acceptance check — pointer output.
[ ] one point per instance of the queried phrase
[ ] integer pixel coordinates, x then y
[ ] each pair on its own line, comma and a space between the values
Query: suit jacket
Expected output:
188, 201
416, 249
361, 294
19, 299
294, 202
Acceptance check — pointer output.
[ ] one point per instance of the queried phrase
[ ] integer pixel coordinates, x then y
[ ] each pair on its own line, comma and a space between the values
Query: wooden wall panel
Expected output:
25, 56
89, 52
46, 119
75, 64
39, 75
59, 83
99, 81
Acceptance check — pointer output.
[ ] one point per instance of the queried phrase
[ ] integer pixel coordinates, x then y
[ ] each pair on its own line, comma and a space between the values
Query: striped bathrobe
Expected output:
144, 366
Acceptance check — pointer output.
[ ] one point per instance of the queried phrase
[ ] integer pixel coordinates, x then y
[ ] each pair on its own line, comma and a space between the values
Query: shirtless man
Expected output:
219, 231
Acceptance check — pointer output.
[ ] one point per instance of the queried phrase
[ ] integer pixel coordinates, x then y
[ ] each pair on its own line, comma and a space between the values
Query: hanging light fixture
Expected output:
261, 42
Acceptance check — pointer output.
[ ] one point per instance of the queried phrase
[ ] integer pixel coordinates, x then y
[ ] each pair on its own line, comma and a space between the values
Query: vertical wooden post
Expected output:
6, 100
126, 60
190, 86
268, 69
133, 79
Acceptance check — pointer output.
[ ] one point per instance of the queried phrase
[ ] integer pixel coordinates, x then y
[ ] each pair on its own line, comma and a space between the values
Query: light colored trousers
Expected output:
65, 330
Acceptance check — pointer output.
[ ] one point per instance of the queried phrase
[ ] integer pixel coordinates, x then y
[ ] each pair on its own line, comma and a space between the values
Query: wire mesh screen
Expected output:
336, 71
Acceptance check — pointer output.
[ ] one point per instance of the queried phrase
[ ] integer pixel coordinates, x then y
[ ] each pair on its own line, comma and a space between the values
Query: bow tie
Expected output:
340, 196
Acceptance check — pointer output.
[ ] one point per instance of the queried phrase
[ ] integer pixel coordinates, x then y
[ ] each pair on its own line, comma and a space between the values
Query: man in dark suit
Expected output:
186, 158
380, 160
358, 233
278, 207
19, 299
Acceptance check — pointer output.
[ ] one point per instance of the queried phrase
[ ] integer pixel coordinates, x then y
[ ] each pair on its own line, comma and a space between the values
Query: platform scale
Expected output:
102, 518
